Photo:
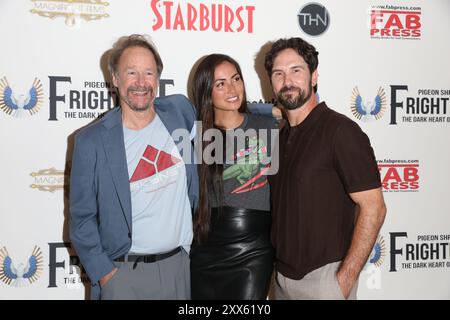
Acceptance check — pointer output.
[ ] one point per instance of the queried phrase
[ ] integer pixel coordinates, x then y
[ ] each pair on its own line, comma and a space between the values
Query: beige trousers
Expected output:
319, 284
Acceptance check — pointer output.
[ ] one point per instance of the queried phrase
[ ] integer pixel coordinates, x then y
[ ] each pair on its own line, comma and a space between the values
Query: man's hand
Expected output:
372, 211
345, 283
276, 113
107, 277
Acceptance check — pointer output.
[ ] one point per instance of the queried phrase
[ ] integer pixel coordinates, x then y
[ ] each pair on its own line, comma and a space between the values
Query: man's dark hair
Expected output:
303, 48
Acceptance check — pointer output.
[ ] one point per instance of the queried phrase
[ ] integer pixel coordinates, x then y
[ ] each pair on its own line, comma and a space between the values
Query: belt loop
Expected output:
136, 262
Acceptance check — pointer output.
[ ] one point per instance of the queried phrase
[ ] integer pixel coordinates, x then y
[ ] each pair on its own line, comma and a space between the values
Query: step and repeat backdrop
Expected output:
392, 54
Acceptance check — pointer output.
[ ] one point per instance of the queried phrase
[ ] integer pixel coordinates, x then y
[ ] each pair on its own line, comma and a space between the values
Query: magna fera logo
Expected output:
72, 10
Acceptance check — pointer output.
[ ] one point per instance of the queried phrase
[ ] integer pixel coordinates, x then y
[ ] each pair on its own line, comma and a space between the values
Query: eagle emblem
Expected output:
367, 111
378, 252
19, 104
21, 274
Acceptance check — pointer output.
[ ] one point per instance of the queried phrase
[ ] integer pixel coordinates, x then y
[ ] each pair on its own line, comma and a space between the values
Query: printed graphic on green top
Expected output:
248, 169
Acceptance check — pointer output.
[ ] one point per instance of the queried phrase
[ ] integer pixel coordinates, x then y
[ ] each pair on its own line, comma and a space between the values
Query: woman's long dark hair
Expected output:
210, 176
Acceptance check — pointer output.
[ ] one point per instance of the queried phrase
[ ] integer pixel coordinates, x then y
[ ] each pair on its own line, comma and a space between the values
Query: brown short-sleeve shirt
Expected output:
322, 160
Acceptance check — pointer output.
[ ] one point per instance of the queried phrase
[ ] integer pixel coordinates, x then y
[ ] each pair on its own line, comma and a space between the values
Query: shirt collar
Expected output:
310, 119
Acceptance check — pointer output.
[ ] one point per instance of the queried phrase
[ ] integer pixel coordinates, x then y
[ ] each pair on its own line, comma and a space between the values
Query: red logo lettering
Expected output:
401, 177
395, 24
217, 17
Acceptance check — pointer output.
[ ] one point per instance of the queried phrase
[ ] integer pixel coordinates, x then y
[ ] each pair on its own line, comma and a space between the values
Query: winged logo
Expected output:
366, 111
18, 105
21, 274
378, 252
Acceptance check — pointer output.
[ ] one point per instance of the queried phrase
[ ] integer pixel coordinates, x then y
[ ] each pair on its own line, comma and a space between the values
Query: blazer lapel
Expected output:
169, 121
114, 145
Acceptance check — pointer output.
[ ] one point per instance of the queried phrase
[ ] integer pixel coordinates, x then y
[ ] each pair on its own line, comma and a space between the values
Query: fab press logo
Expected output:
395, 22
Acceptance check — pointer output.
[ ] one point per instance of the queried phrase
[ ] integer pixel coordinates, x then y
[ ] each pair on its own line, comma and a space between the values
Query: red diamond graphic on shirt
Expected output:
147, 168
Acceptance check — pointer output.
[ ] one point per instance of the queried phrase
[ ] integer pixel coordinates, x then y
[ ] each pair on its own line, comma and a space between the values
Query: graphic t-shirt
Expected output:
245, 184
161, 212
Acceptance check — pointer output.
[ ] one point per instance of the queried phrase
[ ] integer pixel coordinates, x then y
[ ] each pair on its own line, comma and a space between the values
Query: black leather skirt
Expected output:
236, 261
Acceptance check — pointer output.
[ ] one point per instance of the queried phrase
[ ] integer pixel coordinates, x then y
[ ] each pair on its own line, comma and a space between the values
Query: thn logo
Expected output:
20, 274
313, 19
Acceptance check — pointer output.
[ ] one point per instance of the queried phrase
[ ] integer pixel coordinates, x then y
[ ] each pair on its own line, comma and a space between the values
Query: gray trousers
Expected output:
319, 284
168, 279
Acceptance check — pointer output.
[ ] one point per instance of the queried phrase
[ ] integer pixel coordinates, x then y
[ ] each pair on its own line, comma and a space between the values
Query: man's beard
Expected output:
290, 102
134, 106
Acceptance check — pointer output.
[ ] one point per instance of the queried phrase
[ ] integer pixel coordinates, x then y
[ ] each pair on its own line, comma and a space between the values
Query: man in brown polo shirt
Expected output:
327, 202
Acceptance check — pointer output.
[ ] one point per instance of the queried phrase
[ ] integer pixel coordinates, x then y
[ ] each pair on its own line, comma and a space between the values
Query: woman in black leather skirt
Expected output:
231, 257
